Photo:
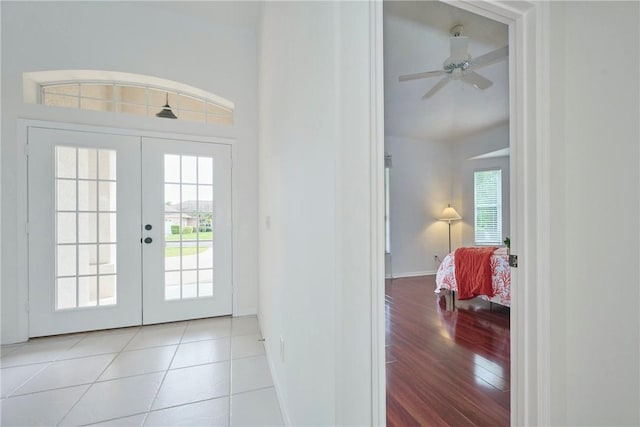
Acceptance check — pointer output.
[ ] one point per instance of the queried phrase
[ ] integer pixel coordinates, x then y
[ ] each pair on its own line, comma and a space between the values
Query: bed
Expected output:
500, 275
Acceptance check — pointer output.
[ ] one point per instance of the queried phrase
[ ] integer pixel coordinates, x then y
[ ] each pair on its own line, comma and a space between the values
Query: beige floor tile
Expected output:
157, 336
39, 409
250, 373
12, 378
98, 343
214, 412
202, 352
256, 408
245, 325
189, 385
115, 399
246, 346
207, 329
67, 373
139, 362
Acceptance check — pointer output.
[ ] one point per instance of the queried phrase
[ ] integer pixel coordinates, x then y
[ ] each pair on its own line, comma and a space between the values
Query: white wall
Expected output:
145, 38
595, 323
462, 150
315, 254
420, 188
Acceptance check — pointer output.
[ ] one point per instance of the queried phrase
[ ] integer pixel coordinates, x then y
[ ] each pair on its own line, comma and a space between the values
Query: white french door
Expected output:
125, 230
186, 219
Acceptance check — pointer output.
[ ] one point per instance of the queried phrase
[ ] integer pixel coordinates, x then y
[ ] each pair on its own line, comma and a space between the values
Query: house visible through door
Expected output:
126, 230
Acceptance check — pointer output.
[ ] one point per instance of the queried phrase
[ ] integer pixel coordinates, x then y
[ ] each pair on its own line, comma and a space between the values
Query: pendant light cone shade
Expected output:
166, 112
450, 214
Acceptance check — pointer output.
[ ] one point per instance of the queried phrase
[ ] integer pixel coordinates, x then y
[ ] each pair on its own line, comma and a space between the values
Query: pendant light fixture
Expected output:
166, 110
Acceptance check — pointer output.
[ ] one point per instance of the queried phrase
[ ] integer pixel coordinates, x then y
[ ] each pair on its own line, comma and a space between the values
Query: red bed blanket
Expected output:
473, 272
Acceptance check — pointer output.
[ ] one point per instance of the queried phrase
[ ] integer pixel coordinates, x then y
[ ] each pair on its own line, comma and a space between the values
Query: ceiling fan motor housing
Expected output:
459, 57
450, 67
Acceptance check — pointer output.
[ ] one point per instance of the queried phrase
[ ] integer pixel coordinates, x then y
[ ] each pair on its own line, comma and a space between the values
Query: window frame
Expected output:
115, 100
498, 207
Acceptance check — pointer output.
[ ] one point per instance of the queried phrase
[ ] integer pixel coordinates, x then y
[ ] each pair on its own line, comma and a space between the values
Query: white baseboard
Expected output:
412, 274
13, 339
246, 312
276, 385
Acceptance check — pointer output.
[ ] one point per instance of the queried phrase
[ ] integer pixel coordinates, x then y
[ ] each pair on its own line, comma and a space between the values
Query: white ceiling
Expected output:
416, 39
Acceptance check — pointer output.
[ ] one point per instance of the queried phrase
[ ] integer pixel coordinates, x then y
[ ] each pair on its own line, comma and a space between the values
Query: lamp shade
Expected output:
450, 214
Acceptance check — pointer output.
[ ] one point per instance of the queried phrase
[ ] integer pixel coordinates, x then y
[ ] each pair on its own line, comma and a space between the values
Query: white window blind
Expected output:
488, 207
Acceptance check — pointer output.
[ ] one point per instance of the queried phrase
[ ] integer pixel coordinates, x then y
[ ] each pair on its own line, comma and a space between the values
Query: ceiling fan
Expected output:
460, 65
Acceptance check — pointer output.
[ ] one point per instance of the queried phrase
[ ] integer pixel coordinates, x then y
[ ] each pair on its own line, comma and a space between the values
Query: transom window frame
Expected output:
215, 109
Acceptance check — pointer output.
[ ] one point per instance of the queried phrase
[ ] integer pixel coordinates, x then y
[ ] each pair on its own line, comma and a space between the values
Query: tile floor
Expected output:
208, 372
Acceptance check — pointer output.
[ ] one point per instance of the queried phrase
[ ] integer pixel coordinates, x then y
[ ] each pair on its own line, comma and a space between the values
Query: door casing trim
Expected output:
529, 99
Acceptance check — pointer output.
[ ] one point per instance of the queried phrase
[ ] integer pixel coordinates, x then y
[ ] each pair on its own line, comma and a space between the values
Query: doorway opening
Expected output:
447, 121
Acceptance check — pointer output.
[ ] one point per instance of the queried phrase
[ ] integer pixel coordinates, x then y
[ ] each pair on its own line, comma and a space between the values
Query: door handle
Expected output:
148, 240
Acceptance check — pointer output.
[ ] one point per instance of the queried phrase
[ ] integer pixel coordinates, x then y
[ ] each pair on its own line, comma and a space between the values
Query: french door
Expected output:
186, 232
126, 230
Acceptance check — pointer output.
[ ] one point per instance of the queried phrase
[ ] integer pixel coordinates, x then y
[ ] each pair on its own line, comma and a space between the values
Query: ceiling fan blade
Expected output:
476, 80
459, 49
436, 88
490, 58
421, 75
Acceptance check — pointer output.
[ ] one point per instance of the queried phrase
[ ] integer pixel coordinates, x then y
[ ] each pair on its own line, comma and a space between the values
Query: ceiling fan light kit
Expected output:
460, 65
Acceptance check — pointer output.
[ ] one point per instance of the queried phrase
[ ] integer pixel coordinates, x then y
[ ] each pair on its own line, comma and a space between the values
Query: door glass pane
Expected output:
66, 227
189, 284
205, 257
189, 198
205, 278
107, 164
87, 291
205, 170
172, 256
107, 259
87, 259
172, 197
205, 197
107, 227
172, 285
171, 168
107, 191
66, 260
85, 238
66, 195
107, 290
188, 231
87, 195
66, 162
87, 163
87, 227
189, 169
66, 297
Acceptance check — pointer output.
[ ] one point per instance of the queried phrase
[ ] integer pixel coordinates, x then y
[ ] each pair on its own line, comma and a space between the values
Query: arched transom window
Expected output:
130, 94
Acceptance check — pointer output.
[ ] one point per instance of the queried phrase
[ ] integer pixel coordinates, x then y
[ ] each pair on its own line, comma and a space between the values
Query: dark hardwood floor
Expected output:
445, 367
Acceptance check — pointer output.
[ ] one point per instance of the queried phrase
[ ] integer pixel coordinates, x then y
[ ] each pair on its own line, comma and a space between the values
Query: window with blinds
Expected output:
488, 207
